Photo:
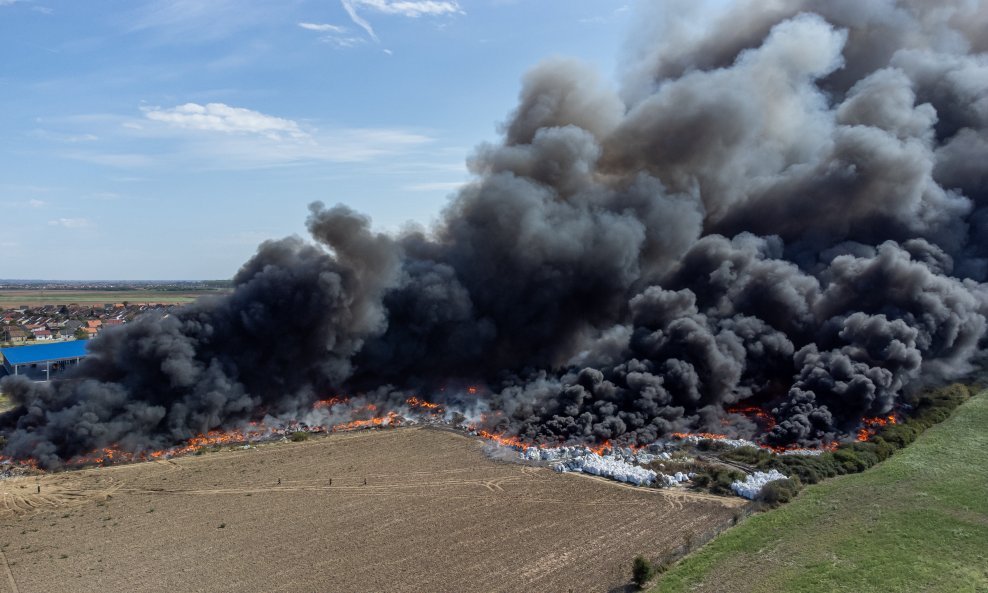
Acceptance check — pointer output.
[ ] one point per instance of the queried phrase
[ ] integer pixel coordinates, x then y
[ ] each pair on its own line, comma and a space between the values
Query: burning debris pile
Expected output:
623, 464
783, 208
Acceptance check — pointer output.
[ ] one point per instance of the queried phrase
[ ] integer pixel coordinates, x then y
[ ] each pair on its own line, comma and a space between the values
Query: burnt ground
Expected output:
436, 514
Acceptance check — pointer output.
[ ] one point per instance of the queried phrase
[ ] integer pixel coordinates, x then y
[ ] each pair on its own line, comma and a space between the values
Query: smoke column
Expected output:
783, 203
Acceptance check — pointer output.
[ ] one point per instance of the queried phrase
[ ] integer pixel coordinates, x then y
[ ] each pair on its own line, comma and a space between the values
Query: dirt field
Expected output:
435, 515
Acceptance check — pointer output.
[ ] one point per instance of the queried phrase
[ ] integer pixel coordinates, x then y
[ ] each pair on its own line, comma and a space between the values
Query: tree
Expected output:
642, 571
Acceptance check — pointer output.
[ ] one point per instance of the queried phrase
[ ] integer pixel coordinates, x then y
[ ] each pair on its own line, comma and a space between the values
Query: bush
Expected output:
898, 435
642, 571
850, 461
298, 437
779, 492
717, 480
809, 469
749, 455
670, 466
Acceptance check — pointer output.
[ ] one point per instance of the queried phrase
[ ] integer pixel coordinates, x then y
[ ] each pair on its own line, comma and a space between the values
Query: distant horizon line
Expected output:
106, 281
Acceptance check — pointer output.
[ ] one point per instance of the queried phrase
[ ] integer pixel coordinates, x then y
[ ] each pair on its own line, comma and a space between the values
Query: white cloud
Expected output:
29, 203
185, 21
66, 138
343, 42
217, 136
71, 223
111, 159
411, 8
405, 8
333, 34
219, 117
435, 186
323, 27
8, 2
358, 20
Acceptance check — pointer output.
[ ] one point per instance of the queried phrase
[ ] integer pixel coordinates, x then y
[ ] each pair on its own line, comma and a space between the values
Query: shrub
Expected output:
779, 492
898, 435
717, 480
642, 571
298, 437
849, 462
672, 466
809, 469
750, 455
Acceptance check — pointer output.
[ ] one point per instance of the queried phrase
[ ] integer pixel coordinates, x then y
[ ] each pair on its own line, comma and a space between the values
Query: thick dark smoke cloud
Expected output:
288, 332
785, 204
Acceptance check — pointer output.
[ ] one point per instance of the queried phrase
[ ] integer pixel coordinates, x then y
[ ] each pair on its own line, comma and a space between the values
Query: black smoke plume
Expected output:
785, 203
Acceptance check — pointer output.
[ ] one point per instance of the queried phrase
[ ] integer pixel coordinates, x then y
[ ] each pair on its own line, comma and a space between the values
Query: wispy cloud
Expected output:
124, 160
71, 223
323, 27
217, 136
411, 8
199, 20
405, 8
333, 34
66, 138
358, 20
29, 203
435, 186
219, 117
607, 17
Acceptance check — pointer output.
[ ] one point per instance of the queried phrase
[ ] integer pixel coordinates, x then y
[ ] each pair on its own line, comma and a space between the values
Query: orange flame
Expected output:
389, 420
414, 402
329, 403
871, 426
702, 435
780, 449
760, 415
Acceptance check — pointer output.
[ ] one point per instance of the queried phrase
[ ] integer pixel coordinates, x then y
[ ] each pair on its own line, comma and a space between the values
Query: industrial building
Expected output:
43, 361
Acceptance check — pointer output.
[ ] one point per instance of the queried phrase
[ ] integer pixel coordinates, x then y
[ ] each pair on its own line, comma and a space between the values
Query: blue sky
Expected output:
165, 139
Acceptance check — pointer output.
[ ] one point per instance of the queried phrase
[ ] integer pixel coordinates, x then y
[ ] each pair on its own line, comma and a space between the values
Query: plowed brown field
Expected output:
436, 515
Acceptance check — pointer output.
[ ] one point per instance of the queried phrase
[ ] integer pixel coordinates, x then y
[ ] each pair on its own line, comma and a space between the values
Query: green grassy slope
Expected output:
917, 522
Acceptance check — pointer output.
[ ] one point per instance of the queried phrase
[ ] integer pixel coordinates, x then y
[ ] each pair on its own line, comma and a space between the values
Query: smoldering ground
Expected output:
783, 203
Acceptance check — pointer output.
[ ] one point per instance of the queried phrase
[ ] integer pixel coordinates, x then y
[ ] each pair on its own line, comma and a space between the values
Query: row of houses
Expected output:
50, 323
14, 333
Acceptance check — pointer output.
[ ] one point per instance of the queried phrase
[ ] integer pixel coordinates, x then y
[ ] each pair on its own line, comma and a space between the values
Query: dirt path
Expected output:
10, 575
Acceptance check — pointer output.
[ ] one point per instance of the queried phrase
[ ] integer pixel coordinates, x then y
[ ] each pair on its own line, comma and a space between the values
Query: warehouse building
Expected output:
43, 362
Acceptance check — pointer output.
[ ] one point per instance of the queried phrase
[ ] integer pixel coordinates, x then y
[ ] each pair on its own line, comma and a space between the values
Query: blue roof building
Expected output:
56, 356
